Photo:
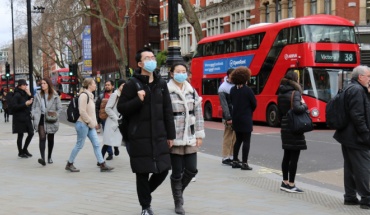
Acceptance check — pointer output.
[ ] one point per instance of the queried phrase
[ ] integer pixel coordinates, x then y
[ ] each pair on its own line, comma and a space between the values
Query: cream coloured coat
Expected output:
112, 136
87, 110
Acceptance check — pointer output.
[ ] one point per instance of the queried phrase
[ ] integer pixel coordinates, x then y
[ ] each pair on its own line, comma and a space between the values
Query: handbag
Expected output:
299, 122
50, 116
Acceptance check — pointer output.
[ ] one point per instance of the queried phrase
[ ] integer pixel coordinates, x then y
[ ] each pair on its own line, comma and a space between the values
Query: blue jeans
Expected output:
84, 131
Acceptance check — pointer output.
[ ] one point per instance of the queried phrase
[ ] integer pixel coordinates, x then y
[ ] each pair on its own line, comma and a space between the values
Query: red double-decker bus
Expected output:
64, 84
322, 49
7, 84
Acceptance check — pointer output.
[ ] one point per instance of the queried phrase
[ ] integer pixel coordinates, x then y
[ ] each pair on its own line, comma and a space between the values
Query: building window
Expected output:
278, 10
327, 6
164, 11
214, 26
185, 40
239, 20
153, 20
313, 6
290, 8
368, 12
267, 13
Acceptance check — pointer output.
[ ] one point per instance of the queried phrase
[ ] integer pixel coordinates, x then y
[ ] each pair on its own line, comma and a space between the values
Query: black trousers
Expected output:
289, 164
182, 162
245, 139
145, 185
356, 174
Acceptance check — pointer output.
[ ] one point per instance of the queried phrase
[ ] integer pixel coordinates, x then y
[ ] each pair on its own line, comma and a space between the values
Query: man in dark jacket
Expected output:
21, 108
151, 129
355, 140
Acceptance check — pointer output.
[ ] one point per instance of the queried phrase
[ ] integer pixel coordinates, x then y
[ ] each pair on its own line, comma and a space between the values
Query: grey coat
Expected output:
54, 104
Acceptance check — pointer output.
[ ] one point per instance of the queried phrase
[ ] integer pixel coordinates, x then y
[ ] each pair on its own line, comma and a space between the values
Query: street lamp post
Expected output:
174, 54
11, 5
127, 18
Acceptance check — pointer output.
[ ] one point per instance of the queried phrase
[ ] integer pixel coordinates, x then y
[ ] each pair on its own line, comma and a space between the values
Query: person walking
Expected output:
292, 143
46, 100
112, 136
22, 122
355, 141
151, 128
85, 127
188, 116
229, 134
103, 98
5, 106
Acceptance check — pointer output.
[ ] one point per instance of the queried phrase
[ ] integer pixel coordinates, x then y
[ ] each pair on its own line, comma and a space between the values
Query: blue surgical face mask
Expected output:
180, 77
150, 65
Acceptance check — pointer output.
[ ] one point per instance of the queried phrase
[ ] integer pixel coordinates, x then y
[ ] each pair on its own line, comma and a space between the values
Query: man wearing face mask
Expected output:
151, 128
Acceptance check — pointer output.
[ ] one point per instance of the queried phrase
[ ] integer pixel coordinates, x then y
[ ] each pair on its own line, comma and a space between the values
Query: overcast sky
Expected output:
5, 22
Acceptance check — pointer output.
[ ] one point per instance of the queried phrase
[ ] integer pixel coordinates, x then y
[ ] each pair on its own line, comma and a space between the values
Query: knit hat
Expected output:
120, 82
22, 82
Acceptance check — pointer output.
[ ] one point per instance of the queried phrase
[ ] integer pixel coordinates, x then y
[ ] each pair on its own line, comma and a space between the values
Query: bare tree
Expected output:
112, 19
192, 18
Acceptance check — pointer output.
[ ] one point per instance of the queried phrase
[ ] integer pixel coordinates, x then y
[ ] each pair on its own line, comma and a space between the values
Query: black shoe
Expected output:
236, 164
50, 161
227, 161
22, 155
116, 151
365, 206
351, 202
98, 164
110, 157
245, 166
27, 153
41, 161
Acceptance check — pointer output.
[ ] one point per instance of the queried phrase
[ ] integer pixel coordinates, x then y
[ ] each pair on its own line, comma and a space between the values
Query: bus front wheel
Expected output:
272, 117
208, 111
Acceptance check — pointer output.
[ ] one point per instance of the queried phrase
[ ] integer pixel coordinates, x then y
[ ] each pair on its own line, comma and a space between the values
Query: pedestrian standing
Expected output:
189, 122
112, 136
244, 103
22, 123
151, 128
229, 134
355, 141
5, 106
46, 100
85, 127
292, 143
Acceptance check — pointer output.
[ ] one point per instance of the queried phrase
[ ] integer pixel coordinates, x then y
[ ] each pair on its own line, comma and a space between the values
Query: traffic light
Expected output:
74, 70
7, 70
70, 66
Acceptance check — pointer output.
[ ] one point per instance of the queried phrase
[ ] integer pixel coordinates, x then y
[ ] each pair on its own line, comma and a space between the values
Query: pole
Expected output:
11, 5
30, 63
276, 10
174, 54
128, 48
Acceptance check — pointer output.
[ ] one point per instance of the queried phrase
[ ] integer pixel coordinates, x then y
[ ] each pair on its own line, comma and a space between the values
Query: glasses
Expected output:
149, 58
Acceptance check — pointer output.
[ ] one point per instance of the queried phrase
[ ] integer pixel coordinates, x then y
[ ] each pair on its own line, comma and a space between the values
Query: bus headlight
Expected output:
315, 112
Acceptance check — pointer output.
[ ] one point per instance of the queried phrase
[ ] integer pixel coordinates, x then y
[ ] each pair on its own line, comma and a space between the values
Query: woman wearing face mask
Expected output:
187, 112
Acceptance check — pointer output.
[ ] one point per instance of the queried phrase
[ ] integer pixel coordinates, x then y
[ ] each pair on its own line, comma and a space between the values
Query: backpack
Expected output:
9, 101
72, 111
123, 122
102, 114
336, 111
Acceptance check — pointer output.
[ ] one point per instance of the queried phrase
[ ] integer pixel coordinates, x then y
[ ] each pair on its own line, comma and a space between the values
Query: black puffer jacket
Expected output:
356, 134
290, 140
22, 122
151, 124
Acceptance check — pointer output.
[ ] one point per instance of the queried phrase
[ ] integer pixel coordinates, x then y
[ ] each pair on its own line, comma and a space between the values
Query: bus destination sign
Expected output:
223, 64
335, 57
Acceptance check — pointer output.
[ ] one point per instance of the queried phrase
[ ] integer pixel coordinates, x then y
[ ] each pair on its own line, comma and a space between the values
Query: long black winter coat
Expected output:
290, 140
356, 134
151, 124
244, 103
22, 122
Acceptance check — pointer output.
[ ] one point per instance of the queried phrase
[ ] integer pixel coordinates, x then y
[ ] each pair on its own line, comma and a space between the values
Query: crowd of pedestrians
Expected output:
166, 127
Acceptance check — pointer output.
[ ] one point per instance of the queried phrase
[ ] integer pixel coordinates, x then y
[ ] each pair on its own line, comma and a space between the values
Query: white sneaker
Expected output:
193, 179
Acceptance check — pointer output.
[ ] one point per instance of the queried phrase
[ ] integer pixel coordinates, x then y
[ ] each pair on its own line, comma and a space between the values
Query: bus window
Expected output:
253, 84
210, 86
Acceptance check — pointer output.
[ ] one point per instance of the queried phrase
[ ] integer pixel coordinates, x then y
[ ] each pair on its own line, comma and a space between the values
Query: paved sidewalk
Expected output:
29, 188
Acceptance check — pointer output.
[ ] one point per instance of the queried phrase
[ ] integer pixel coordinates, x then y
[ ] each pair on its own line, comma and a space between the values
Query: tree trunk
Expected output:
192, 18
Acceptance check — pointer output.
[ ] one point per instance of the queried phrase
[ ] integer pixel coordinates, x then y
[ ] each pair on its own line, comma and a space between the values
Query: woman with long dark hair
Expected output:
46, 99
290, 96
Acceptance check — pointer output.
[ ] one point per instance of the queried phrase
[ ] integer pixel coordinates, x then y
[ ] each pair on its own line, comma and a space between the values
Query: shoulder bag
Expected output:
50, 116
299, 122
